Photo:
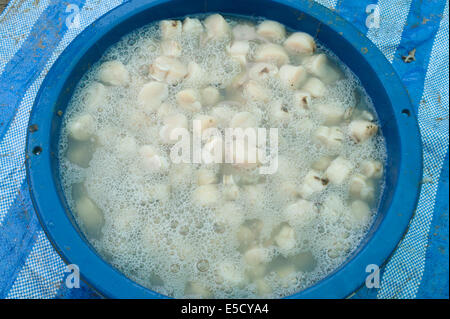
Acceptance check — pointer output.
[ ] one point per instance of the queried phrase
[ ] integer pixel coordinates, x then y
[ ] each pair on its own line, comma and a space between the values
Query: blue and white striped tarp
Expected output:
34, 33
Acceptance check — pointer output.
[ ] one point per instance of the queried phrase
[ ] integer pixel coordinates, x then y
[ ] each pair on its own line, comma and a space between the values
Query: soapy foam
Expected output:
172, 245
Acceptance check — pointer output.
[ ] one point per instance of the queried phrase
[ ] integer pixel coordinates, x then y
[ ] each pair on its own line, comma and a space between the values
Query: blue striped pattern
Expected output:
33, 34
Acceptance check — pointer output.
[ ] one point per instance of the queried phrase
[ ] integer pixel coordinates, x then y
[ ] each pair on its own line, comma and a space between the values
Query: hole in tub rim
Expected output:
387, 230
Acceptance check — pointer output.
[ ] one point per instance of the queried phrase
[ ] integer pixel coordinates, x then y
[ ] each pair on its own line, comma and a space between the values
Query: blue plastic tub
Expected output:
399, 126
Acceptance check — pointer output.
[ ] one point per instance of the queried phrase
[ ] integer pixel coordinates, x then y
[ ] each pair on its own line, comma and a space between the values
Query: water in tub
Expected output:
221, 230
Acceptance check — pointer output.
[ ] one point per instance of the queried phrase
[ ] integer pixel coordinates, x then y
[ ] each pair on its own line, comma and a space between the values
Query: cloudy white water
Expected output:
222, 230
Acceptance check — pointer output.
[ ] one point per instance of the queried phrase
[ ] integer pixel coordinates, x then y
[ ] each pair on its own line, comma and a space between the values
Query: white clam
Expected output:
271, 53
126, 147
152, 95
255, 91
319, 66
136, 120
338, 170
286, 171
82, 127
271, 30
239, 80
230, 215
159, 192
302, 99
292, 76
285, 239
332, 209
230, 274
192, 26
189, 99
95, 96
165, 109
195, 74
287, 191
262, 71
330, 137
180, 174
206, 176
223, 115
263, 288
171, 48
80, 155
206, 121
322, 163
170, 29
239, 51
90, 215
230, 189
372, 168
183, 249
365, 115
210, 95
226, 229
151, 160
361, 130
244, 32
216, 27
168, 69
244, 120
206, 195
279, 114
300, 213
330, 113
171, 123
361, 187
286, 274
312, 183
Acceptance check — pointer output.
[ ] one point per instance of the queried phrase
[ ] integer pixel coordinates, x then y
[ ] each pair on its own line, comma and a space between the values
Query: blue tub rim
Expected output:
109, 282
